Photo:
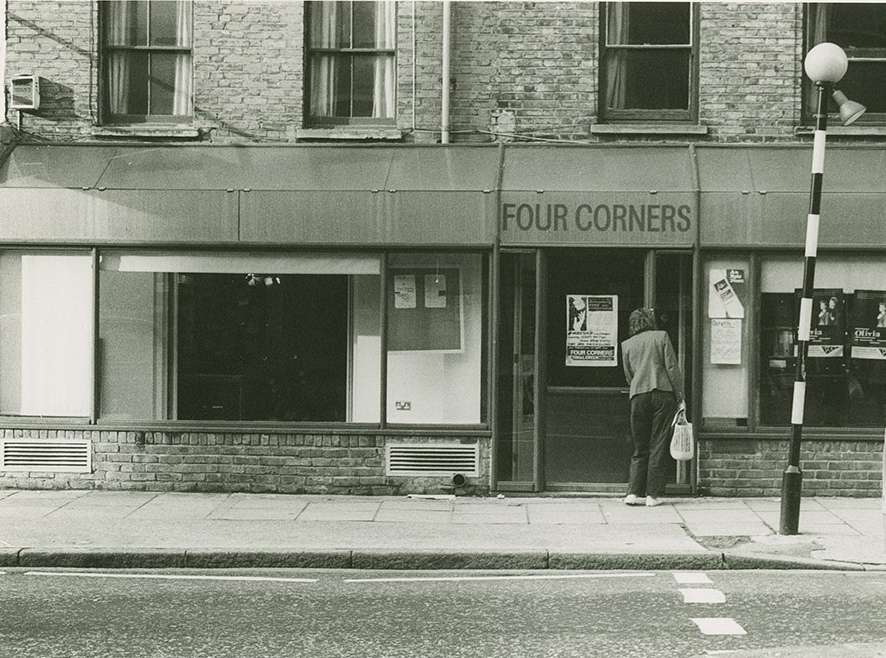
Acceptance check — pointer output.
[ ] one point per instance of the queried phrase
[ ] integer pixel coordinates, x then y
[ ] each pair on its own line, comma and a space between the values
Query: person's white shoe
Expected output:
652, 501
631, 499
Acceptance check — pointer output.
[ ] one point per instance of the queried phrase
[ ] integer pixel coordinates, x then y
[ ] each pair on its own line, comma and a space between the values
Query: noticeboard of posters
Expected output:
727, 299
425, 310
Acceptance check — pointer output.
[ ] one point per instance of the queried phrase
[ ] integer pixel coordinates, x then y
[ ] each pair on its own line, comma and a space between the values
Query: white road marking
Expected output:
73, 574
688, 578
719, 626
2, 573
437, 579
702, 595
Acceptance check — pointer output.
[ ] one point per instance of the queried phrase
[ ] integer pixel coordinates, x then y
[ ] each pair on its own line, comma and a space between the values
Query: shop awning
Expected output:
250, 194
759, 195
606, 195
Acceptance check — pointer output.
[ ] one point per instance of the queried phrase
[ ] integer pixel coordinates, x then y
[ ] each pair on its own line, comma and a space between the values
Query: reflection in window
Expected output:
147, 46
860, 29
263, 338
846, 369
351, 60
647, 56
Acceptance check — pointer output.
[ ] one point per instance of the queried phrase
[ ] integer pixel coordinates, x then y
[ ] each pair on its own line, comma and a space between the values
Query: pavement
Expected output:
122, 529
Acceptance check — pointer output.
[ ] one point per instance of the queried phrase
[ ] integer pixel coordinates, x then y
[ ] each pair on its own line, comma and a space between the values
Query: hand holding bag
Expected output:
682, 440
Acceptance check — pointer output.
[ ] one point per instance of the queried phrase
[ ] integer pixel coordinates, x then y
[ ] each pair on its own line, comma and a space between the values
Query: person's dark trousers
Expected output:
651, 417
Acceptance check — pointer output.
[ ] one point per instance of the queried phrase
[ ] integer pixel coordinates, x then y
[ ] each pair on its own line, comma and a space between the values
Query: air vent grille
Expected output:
432, 459
58, 455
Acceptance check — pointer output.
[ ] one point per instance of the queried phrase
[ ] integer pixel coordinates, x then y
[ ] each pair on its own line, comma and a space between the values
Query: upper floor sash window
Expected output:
647, 61
859, 29
351, 62
148, 64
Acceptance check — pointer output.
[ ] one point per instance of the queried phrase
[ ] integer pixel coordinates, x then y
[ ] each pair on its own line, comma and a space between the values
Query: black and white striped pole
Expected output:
825, 65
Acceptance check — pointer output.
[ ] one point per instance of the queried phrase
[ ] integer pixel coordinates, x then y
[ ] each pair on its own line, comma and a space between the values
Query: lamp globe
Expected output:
826, 63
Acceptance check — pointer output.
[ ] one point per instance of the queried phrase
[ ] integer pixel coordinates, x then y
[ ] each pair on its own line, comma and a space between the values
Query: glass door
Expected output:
517, 418
672, 300
587, 438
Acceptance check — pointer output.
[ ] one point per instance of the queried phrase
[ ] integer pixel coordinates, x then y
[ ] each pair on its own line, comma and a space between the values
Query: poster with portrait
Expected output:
727, 294
591, 330
827, 333
867, 323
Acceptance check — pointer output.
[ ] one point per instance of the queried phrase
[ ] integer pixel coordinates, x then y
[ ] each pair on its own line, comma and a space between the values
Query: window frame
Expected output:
610, 115
314, 121
870, 55
105, 114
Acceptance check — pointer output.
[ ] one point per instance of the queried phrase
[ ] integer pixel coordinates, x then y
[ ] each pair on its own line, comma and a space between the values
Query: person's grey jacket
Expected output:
650, 363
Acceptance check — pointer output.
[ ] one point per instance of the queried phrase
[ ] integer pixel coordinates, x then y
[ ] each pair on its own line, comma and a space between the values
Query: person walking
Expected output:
656, 390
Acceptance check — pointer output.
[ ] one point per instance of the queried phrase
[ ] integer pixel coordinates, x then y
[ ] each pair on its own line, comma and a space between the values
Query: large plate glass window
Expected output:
435, 338
647, 61
846, 368
240, 337
351, 62
860, 29
45, 333
148, 69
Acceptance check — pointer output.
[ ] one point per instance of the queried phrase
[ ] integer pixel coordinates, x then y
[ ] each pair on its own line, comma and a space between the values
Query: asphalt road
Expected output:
318, 614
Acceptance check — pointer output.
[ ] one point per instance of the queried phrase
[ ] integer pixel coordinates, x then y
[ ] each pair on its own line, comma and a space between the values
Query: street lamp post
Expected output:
825, 65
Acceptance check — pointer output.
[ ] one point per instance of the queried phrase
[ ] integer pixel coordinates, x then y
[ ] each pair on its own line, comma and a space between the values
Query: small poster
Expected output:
404, 291
827, 333
727, 294
435, 291
726, 342
868, 324
591, 330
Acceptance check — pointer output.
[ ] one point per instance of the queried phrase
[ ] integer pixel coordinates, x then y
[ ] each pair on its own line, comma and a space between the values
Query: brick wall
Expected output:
750, 63
524, 67
754, 467
248, 69
274, 462
57, 41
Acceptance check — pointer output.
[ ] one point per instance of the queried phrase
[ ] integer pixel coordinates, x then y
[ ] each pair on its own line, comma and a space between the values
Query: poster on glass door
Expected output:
868, 325
591, 330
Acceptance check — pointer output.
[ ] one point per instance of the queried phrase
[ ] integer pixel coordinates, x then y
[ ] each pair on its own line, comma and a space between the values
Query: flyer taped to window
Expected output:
591, 330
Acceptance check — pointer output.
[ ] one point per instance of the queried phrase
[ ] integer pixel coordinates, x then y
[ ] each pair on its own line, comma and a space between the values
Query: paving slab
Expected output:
215, 530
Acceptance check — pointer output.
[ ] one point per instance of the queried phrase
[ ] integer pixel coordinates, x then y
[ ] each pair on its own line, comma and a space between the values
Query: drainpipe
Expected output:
444, 98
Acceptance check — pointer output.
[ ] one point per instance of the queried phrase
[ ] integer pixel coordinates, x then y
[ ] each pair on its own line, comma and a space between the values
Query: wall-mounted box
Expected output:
24, 93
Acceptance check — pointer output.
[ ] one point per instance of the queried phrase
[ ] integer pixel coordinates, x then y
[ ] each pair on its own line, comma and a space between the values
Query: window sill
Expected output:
164, 131
648, 129
844, 131
349, 133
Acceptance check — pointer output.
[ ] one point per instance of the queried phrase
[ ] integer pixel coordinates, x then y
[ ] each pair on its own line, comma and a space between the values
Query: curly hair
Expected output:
641, 319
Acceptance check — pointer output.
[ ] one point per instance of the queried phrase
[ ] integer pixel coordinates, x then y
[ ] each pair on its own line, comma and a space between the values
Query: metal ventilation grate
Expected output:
59, 455
432, 459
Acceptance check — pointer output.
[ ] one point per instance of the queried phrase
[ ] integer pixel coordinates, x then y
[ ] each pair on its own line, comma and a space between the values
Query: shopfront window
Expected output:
860, 29
726, 327
45, 333
647, 61
435, 339
846, 368
261, 337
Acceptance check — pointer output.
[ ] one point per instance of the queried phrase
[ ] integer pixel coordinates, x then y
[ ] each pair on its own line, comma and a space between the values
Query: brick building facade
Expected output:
566, 173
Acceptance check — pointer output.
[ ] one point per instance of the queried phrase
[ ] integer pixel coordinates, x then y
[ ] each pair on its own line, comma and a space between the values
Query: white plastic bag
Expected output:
683, 439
